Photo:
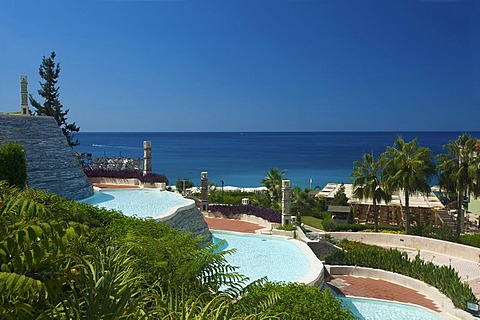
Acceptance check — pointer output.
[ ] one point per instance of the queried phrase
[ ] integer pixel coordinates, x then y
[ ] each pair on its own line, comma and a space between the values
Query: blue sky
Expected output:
332, 65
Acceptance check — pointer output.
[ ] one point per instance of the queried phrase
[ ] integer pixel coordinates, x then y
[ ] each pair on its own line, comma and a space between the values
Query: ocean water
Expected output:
242, 159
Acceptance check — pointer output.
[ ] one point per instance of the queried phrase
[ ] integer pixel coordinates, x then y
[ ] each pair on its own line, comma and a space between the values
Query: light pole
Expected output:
183, 190
222, 189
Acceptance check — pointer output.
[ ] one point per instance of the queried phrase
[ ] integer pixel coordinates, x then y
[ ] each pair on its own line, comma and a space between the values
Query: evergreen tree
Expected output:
49, 71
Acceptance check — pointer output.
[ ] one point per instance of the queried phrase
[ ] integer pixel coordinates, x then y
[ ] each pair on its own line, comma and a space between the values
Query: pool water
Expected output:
143, 203
369, 309
259, 256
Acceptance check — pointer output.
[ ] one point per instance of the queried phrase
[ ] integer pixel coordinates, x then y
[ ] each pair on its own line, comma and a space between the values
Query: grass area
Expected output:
313, 222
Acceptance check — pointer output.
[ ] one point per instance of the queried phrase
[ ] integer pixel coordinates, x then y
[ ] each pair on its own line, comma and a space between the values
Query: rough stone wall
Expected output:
51, 162
190, 220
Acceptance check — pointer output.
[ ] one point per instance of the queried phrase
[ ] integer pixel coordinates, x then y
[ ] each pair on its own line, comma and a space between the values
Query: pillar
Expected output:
24, 93
147, 157
204, 190
286, 201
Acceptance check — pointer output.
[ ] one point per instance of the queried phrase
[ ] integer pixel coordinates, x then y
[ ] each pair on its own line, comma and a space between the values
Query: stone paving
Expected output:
379, 289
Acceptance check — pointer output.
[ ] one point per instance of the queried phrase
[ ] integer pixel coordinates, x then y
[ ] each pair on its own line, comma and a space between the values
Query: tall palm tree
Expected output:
273, 182
367, 183
459, 171
408, 167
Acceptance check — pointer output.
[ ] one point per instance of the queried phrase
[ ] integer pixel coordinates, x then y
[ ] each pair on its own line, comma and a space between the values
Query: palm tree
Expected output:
367, 183
408, 167
273, 182
459, 171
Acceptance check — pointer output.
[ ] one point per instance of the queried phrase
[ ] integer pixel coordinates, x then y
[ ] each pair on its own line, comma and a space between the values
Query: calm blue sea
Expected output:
242, 159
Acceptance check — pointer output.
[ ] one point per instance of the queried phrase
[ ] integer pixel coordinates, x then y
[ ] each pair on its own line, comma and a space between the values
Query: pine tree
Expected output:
49, 71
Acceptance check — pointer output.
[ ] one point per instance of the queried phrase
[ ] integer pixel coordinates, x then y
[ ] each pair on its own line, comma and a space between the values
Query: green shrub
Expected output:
297, 301
288, 227
13, 165
364, 227
444, 278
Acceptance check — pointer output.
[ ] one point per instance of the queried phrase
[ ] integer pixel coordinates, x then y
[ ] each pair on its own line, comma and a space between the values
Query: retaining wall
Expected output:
51, 163
414, 242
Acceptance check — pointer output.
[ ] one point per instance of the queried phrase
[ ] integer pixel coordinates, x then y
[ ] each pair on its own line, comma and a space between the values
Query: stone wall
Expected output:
190, 219
51, 162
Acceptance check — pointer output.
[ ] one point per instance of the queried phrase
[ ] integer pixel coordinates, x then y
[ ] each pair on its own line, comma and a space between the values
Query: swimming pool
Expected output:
370, 309
143, 203
278, 259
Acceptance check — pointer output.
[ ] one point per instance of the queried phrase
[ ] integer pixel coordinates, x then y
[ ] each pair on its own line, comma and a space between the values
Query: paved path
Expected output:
232, 225
379, 289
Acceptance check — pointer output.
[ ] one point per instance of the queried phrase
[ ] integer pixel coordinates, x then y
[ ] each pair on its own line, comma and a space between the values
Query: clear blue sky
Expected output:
330, 65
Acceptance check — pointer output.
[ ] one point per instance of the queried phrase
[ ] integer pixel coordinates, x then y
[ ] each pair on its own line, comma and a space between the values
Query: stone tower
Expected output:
24, 92
286, 201
147, 157
204, 190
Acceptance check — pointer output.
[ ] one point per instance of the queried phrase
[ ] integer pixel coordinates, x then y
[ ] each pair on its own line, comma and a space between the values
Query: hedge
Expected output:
13, 165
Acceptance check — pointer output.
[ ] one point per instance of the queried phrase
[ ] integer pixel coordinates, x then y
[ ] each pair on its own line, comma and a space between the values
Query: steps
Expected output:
447, 220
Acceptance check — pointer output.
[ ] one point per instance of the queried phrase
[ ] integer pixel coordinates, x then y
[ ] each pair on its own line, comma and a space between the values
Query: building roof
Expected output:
416, 200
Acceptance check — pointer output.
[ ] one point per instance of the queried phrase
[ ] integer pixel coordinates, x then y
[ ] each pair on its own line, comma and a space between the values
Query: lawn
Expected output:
313, 222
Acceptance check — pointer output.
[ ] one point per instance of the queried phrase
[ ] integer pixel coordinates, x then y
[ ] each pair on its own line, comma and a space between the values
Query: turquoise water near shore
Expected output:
242, 158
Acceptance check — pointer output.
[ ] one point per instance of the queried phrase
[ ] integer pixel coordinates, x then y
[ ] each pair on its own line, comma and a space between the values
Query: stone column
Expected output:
204, 178
24, 93
286, 200
147, 157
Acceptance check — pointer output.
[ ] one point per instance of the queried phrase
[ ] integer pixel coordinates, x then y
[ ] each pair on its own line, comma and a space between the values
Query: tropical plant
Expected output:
459, 172
273, 182
367, 183
408, 167
13, 165
183, 184
49, 71
340, 198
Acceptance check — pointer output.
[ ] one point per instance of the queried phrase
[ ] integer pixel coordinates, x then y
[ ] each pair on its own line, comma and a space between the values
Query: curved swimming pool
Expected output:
370, 309
278, 259
142, 203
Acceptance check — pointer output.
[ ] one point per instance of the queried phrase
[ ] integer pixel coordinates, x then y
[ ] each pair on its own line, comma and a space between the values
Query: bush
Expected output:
233, 211
363, 227
444, 278
288, 227
297, 302
127, 174
13, 165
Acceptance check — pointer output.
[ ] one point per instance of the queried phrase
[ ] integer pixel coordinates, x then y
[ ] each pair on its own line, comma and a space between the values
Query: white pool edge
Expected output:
166, 216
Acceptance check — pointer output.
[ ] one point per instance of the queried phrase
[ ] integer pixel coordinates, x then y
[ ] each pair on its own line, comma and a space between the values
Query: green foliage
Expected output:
49, 71
365, 227
340, 198
408, 167
459, 171
297, 302
273, 182
183, 184
62, 259
314, 222
13, 165
216, 195
367, 183
444, 278
470, 240
288, 227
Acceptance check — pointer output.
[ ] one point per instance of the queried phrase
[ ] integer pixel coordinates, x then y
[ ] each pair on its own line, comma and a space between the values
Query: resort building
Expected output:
422, 207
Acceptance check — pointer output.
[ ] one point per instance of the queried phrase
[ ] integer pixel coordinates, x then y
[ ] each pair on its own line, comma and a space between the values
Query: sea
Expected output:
242, 159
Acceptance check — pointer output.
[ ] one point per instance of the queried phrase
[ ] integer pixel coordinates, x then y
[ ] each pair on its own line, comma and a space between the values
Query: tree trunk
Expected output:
375, 216
407, 212
460, 212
